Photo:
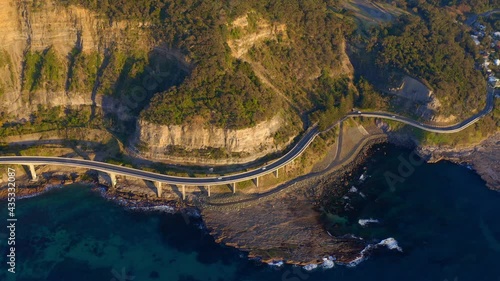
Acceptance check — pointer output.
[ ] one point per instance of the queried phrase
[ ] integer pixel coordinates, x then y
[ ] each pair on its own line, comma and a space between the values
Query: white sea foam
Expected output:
46, 189
363, 177
162, 208
391, 244
328, 262
364, 222
29, 196
362, 256
276, 263
310, 267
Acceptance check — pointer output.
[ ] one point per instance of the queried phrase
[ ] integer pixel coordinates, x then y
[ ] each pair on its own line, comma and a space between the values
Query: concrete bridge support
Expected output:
256, 182
233, 186
159, 188
183, 187
112, 178
276, 174
208, 190
33, 172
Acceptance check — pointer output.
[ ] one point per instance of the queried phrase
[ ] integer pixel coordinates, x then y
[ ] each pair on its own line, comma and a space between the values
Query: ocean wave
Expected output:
46, 189
390, 243
276, 263
161, 208
363, 177
310, 267
364, 222
328, 263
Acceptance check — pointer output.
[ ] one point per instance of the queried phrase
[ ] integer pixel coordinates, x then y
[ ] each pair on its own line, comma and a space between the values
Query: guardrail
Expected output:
295, 152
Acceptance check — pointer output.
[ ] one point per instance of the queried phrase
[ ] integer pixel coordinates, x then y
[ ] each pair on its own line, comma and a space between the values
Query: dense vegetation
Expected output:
492, 22
43, 71
433, 46
237, 99
304, 62
49, 118
83, 71
5, 61
224, 90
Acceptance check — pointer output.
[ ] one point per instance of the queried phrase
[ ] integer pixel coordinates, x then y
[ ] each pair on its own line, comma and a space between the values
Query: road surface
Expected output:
295, 152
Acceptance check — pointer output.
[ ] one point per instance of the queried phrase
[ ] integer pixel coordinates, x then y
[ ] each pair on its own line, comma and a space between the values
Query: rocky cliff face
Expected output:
52, 56
200, 143
30, 28
170, 142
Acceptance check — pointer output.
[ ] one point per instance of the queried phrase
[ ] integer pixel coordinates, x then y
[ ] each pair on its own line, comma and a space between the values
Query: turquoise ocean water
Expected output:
442, 215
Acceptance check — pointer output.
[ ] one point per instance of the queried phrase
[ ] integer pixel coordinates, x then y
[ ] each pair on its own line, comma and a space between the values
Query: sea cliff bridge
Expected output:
160, 179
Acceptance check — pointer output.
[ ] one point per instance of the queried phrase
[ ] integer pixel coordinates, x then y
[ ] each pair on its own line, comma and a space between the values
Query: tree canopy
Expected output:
224, 90
434, 47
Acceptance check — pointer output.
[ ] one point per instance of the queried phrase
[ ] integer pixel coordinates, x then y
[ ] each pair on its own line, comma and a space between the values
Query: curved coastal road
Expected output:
490, 102
301, 145
126, 171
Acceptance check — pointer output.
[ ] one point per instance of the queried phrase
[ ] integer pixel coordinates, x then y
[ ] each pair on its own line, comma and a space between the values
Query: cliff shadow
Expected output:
139, 80
150, 185
176, 189
203, 189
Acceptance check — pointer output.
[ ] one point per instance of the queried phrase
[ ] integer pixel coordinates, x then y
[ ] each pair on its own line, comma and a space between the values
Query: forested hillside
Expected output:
228, 64
430, 44
222, 89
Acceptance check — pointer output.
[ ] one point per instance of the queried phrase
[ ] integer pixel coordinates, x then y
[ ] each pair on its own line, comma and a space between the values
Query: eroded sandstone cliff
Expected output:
30, 29
56, 58
199, 143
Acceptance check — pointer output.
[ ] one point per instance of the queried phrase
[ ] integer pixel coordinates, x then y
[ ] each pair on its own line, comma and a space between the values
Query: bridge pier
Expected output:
183, 187
233, 186
34, 177
276, 174
159, 188
112, 177
208, 190
256, 182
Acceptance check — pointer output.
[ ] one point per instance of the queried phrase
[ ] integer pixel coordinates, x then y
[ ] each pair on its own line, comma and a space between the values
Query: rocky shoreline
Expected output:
482, 158
27, 189
287, 227
290, 229
327, 250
